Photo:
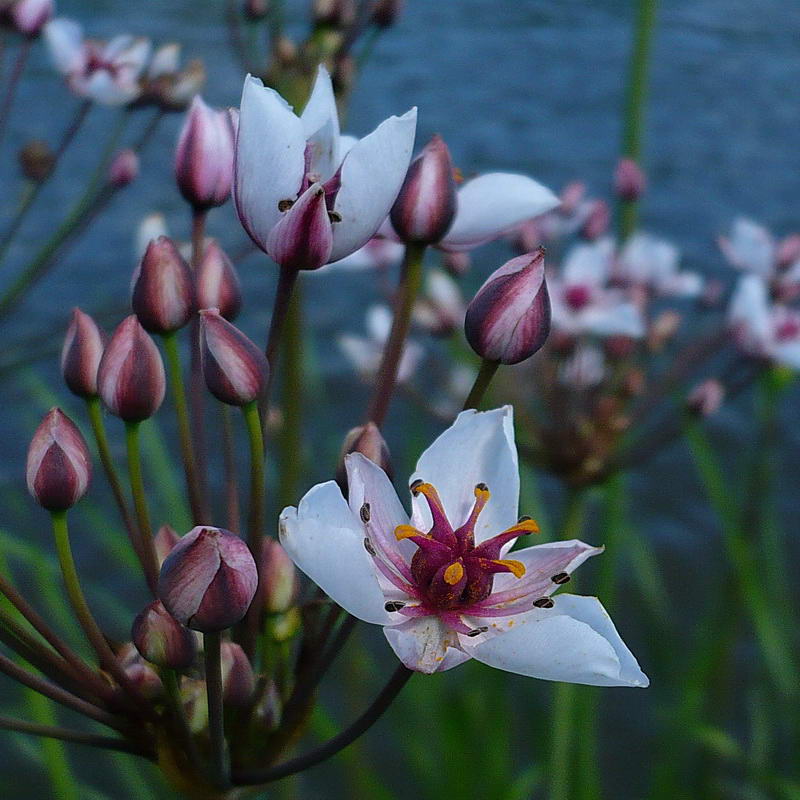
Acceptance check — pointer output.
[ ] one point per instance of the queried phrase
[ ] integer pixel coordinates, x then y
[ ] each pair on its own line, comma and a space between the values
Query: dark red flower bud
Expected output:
143, 677
163, 288
280, 583
218, 283
36, 160
161, 639
124, 168
58, 467
386, 12
255, 9
367, 440
629, 180
131, 376
208, 580
234, 367
303, 237
30, 16
238, 679
164, 541
426, 205
81, 354
508, 320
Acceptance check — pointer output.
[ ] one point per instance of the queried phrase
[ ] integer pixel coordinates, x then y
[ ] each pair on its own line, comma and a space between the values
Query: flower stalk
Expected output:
482, 380
216, 727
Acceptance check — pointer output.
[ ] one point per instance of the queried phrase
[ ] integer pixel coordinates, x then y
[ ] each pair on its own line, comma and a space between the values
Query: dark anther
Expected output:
562, 577
414, 486
394, 605
334, 216
285, 205
524, 518
482, 487
544, 602
365, 512
368, 547
477, 631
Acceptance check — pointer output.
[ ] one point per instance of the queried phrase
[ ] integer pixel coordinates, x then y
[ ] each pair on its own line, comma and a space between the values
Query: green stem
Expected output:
232, 512
291, 438
169, 678
199, 514
140, 502
216, 722
482, 381
13, 81
410, 282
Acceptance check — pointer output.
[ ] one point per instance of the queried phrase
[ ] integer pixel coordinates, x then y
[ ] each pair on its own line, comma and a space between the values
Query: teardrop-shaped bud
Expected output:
161, 639
234, 368
165, 539
367, 440
386, 12
597, 221
124, 168
36, 160
218, 283
508, 320
303, 237
141, 675
30, 16
131, 376
81, 354
58, 468
706, 398
255, 9
629, 180
163, 294
208, 580
426, 204
204, 156
238, 679
280, 583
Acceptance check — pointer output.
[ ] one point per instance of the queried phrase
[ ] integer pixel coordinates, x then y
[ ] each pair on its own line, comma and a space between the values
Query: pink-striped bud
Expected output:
30, 16
303, 237
204, 157
58, 468
208, 580
143, 677
163, 288
508, 320
629, 180
426, 204
161, 639
367, 440
234, 367
238, 679
280, 583
81, 354
124, 168
165, 539
386, 12
597, 221
218, 283
131, 376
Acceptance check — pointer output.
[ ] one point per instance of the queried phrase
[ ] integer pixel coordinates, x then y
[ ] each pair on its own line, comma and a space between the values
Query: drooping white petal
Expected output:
321, 126
425, 645
64, 39
346, 142
269, 164
575, 641
477, 448
750, 247
492, 204
326, 541
372, 174
748, 314
589, 263
101, 87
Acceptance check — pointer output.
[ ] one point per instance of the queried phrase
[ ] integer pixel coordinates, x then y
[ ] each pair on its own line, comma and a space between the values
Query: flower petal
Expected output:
425, 645
492, 204
575, 641
477, 448
320, 120
64, 39
372, 174
269, 164
326, 542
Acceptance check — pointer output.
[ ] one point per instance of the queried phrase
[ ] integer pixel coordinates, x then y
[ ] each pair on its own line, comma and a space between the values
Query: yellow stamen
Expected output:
454, 573
406, 532
527, 526
517, 568
482, 493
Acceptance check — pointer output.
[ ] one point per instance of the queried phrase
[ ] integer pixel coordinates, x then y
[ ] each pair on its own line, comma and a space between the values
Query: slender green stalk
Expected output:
291, 438
255, 438
410, 282
170, 680
482, 381
232, 511
13, 81
200, 515
216, 722
140, 502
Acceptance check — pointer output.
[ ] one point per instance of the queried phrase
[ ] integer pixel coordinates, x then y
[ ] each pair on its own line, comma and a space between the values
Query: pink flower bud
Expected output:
131, 374
458, 263
426, 205
163, 288
204, 157
238, 679
788, 251
36, 160
629, 180
124, 168
335, 13
571, 196
164, 541
597, 221
367, 440
706, 398
218, 282
255, 9
208, 580
143, 677
81, 354
161, 639
386, 12
280, 583
303, 237
509, 318
234, 367
30, 16
58, 466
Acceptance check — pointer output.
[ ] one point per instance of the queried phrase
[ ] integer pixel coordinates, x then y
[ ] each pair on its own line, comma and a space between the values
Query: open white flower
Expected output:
649, 261
440, 582
750, 247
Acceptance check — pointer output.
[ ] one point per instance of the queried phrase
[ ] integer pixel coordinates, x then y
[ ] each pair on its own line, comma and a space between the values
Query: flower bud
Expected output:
458, 263
58, 466
143, 677
283, 627
268, 710
234, 367
280, 583
163, 288
509, 318
386, 12
30, 16
334, 13
131, 376
571, 197
426, 204
255, 9
204, 157
36, 160
208, 580
238, 679
161, 639
706, 398
597, 221
629, 180
662, 329
788, 251
124, 168
81, 354
367, 440
218, 282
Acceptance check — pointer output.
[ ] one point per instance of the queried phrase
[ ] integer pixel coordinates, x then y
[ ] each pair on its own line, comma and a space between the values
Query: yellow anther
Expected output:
516, 568
406, 532
482, 492
527, 525
454, 573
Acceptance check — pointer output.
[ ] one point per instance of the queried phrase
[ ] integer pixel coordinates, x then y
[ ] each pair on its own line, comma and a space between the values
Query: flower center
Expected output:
577, 297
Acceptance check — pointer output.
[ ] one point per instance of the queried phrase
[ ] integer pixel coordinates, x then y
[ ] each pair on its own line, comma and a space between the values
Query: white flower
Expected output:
439, 582
749, 247
647, 260
378, 254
